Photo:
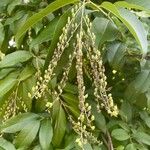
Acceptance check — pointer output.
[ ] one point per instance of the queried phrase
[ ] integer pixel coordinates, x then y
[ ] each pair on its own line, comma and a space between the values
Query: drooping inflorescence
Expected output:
79, 27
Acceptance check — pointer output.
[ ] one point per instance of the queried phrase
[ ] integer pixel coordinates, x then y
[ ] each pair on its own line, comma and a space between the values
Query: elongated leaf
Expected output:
125, 4
70, 88
46, 34
131, 22
140, 85
126, 111
142, 3
12, 5
6, 145
38, 16
27, 134
115, 54
142, 137
87, 147
71, 99
7, 84
15, 58
25, 87
60, 125
18, 122
2, 34
26, 73
45, 134
5, 72
38, 147
104, 30
120, 134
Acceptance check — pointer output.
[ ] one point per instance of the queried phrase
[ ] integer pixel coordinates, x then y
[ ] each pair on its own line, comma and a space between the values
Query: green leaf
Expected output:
45, 134
104, 30
126, 4
140, 85
87, 147
120, 134
26, 73
27, 134
142, 3
15, 58
12, 5
71, 99
2, 34
37, 147
126, 111
6, 145
38, 16
142, 137
7, 84
25, 87
99, 118
46, 34
131, 22
130, 147
70, 88
5, 72
18, 122
145, 117
121, 147
115, 54
147, 121
60, 124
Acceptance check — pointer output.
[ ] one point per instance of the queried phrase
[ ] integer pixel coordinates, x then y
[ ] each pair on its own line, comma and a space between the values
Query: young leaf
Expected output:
18, 122
45, 134
38, 16
15, 58
120, 134
6, 145
131, 22
27, 134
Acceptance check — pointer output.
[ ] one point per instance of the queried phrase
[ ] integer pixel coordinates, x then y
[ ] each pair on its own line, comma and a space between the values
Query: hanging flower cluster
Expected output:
79, 27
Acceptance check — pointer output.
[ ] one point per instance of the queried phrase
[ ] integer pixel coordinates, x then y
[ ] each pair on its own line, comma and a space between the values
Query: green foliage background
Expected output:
122, 30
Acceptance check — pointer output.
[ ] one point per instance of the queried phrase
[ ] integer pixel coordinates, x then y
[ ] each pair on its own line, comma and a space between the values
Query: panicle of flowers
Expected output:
12, 106
98, 73
64, 39
9, 108
84, 125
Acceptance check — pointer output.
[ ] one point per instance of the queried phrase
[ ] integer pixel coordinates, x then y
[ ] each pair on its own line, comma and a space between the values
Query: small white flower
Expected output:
12, 42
